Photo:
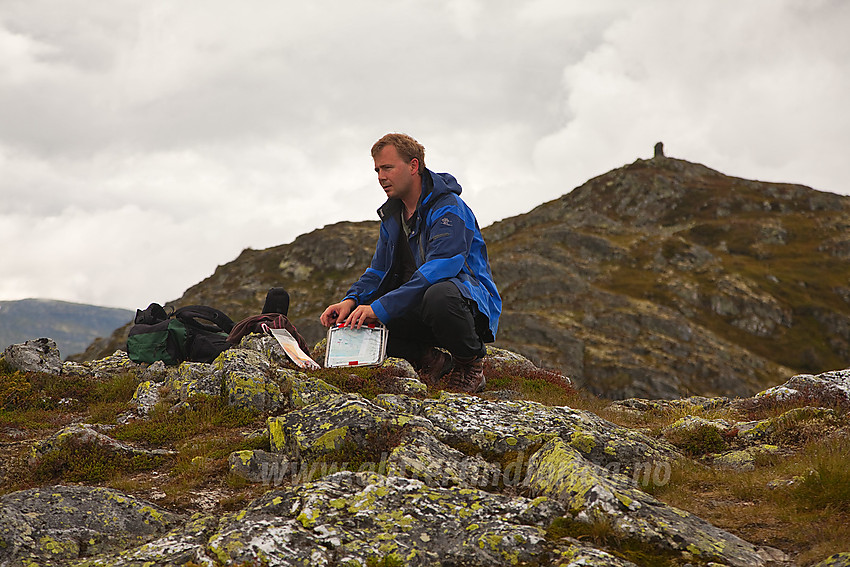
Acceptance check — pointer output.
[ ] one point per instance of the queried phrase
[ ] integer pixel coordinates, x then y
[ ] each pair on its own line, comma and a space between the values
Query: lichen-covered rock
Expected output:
791, 426
146, 397
836, 560
830, 386
400, 367
318, 429
578, 555
399, 403
592, 493
86, 434
183, 544
420, 455
348, 518
248, 380
57, 524
261, 466
194, 378
691, 404
744, 459
38, 355
306, 390
268, 347
113, 365
507, 427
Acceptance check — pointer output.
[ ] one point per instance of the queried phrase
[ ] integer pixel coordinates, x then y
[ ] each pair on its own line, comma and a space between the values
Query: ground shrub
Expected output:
701, 440
368, 381
80, 461
202, 414
537, 384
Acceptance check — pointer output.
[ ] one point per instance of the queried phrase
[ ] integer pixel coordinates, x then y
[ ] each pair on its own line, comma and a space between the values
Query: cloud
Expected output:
128, 126
746, 93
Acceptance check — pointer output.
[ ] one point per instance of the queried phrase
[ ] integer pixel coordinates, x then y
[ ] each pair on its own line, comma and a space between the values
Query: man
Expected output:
429, 281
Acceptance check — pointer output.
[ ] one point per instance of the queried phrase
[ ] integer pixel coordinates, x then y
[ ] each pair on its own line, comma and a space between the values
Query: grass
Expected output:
536, 384
77, 461
202, 415
601, 534
37, 401
799, 503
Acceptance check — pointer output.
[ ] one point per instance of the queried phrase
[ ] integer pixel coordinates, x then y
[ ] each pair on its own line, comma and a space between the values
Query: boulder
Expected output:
38, 355
349, 518
594, 494
56, 524
511, 427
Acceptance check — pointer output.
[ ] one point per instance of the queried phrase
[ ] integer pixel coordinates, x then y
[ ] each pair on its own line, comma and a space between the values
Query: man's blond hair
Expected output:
407, 148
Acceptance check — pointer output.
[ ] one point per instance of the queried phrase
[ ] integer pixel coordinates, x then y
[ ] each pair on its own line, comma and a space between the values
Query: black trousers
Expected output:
445, 319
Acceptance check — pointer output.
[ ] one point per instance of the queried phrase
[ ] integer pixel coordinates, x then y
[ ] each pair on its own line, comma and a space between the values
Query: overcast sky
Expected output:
145, 142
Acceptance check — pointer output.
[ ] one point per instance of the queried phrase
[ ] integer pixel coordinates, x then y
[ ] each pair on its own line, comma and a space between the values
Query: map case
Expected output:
366, 346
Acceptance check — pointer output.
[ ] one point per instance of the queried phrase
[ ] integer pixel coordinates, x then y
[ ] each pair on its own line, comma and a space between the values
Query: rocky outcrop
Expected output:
56, 525
417, 478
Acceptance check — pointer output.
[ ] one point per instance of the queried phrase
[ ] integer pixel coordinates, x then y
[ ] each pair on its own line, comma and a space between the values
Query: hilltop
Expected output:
660, 279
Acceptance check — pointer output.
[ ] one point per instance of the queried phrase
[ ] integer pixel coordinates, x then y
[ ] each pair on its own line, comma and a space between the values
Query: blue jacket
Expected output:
446, 244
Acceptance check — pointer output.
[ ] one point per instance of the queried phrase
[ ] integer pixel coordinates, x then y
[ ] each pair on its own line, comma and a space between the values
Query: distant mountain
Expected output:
659, 279
72, 325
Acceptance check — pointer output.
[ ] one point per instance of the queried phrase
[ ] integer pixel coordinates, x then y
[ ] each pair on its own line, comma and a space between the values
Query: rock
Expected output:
183, 544
353, 517
110, 366
86, 434
39, 355
592, 493
835, 560
511, 427
262, 466
420, 455
306, 390
146, 397
248, 380
744, 459
56, 524
833, 386
323, 428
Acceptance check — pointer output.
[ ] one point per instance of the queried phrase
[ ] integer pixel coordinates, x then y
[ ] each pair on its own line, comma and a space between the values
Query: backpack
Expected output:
196, 333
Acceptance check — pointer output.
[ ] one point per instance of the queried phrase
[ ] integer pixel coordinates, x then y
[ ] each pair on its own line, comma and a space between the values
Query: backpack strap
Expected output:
191, 314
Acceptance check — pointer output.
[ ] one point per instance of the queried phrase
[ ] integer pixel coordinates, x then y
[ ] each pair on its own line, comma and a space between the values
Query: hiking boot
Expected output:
467, 375
433, 366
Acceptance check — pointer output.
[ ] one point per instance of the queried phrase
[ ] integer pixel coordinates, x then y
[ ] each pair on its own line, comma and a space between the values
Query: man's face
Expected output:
397, 177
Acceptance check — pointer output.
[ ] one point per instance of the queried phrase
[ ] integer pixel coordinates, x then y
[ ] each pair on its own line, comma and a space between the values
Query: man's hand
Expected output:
363, 315
337, 312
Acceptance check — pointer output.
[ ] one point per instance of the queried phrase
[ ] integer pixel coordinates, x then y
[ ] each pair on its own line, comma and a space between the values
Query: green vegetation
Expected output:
36, 401
200, 415
91, 462
702, 440
536, 384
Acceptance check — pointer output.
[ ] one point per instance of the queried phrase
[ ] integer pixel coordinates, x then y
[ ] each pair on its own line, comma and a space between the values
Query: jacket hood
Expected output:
433, 186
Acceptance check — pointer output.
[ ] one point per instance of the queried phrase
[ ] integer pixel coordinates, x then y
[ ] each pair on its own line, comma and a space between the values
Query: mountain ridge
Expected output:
662, 278
72, 325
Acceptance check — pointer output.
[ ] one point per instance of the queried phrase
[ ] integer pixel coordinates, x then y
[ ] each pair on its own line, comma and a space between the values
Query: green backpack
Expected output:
195, 333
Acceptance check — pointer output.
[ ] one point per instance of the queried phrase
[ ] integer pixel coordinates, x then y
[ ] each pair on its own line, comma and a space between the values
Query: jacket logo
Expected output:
445, 221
